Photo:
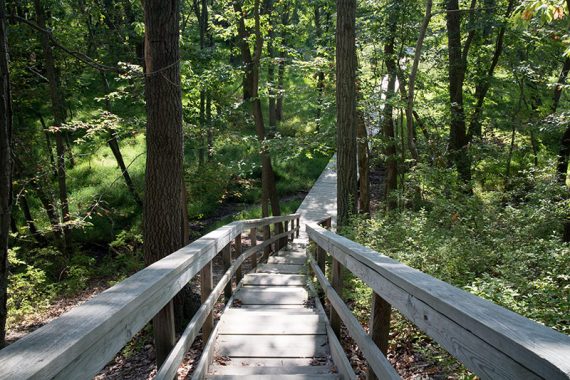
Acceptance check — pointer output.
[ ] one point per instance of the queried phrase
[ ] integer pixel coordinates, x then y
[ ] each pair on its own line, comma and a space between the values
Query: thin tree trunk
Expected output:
247, 59
271, 84
48, 146
320, 73
281, 69
210, 126
58, 109
363, 165
346, 109
412, 83
162, 216
115, 148
38, 237
388, 130
483, 86
458, 141
5, 170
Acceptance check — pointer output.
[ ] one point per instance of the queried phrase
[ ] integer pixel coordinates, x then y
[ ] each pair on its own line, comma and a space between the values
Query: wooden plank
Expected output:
379, 327
237, 253
272, 295
253, 239
376, 359
206, 286
227, 263
258, 223
274, 279
509, 346
279, 268
236, 367
286, 260
282, 346
263, 324
275, 377
336, 274
283, 309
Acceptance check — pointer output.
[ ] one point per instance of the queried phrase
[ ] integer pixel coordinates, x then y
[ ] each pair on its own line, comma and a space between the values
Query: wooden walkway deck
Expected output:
271, 331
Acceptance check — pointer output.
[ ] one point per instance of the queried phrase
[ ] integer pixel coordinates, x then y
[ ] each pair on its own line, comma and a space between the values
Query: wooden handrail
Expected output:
80, 342
490, 340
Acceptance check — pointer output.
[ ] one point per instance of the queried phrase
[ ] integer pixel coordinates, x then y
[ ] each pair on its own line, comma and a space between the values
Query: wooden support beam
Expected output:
253, 238
379, 327
298, 227
227, 262
287, 229
336, 281
266, 236
237, 253
206, 286
321, 258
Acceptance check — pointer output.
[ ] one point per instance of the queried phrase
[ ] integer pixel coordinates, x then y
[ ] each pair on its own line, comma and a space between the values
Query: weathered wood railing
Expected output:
490, 340
81, 342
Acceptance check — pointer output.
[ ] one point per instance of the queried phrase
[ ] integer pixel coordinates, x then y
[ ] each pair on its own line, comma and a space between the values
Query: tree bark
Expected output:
247, 59
162, 215
5, 169
458, 141
346, 109
48, 146
58, 109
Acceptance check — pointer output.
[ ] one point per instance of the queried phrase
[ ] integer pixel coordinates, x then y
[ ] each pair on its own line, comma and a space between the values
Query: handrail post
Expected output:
379, 326
292, 236
298, 226
266, 237
336, 282
227, 262
237, 253
206, 287
286, 239
253, 238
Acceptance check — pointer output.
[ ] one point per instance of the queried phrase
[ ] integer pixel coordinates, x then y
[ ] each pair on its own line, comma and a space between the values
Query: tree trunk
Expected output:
247, 59
563, 153
458, 142
388, 130
38, 237
114, 145
162, 216
346, 109
412, 83
363, 165
560, 85
58, 109
49, 146
271, 84
5, 169
320, 73
483, 86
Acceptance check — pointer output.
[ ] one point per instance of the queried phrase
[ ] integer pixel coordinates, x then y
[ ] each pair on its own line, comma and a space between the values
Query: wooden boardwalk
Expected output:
271, 331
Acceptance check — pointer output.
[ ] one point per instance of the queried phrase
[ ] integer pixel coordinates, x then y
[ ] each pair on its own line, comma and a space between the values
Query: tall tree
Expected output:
346, 109
388, 129
458, 141
163, 198
59, 115
5, 169
269, 190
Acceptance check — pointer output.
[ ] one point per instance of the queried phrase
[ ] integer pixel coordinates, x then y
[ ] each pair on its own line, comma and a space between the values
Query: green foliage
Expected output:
501, 245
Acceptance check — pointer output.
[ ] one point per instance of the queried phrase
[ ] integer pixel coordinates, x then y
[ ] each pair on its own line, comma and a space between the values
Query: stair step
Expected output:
280, 268
276, 295
286, 259
274, 279
275, 377
273, 346
262, 323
